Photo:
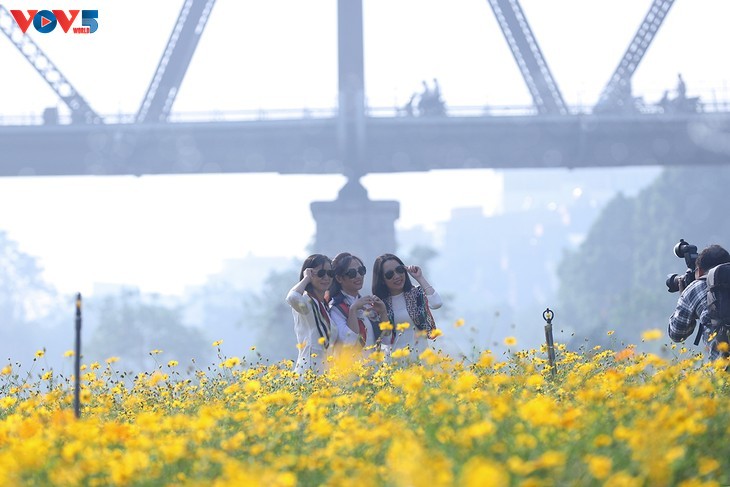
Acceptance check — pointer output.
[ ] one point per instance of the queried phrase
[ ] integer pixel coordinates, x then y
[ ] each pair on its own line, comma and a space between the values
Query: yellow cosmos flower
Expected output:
253, 348
386, 326
111, 360
459, 323
155, 352
708, 465
653, 334
610, 332
402, 326
252, 386
436, 332
599, 466
68, 353
40, 353
7, 370
7, 401
723, 347
486, 359
172, 363
300, 346
231, 362
401, 352
510, 341
217, 343
480, 471
321, 340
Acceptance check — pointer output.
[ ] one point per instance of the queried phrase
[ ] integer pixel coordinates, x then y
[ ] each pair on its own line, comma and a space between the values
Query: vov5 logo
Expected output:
45, 21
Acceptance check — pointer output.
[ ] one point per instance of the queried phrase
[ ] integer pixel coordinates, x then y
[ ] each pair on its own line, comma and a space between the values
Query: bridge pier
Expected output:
354, 223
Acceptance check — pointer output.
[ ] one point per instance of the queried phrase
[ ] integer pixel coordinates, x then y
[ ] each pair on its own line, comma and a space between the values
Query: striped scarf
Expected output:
321, 318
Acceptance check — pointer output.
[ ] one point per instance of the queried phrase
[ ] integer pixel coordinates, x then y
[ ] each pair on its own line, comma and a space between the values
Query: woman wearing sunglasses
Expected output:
315, 335
357, 317
404, 302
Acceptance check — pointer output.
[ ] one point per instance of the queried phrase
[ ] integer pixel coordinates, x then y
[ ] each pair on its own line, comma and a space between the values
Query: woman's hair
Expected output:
380, 288
340, 264
314, 260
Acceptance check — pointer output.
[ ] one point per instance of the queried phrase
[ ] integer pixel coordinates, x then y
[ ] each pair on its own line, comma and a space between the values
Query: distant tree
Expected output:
421, 255
24, 294
27, 303
131, 325
269, 318
615, 280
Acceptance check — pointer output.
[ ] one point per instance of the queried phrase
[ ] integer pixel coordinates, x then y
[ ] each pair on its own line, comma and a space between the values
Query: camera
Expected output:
688, 252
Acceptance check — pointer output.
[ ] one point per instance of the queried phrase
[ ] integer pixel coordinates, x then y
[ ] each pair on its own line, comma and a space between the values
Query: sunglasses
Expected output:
322, 272
401, 269
352, 273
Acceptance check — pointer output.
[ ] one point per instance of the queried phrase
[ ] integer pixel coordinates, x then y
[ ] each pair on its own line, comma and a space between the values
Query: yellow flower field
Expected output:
605, 418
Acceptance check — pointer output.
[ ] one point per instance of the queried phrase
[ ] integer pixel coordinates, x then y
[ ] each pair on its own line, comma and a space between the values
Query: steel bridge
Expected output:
354, 139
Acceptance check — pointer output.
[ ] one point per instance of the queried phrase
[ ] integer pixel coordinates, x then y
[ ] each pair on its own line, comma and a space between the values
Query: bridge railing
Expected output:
260, 115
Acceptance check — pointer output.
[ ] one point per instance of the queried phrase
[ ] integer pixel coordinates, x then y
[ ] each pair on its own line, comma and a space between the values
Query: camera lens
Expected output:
673, 283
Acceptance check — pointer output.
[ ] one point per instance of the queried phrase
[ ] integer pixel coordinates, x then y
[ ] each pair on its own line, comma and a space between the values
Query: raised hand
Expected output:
414, 271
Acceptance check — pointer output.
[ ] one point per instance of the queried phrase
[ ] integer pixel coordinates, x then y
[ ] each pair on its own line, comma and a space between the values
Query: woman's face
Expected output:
352, 279
321, 280
394, 274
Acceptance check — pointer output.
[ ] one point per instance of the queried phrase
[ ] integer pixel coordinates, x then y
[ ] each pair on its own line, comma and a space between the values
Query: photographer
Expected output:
692, 303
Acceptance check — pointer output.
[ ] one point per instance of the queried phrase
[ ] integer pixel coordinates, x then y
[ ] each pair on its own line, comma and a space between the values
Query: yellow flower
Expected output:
300, 346
155, 352
723, 347
40, 353
111, 360
386, 326
708, 465
436, 332
610, 332
401, 352
402, 326
459, 323
68, 353
7, 370
510, 341
231, 362
321, 340
252, 386
486, 359
653, 334
480, 471
217, 343
253, 347
7, 401
172, 363
600, 466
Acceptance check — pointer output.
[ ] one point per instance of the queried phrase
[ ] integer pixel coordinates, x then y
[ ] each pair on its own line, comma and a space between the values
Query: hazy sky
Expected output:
164, 232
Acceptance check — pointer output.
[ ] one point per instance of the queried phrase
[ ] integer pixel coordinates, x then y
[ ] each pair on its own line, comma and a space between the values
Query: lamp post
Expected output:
548, 316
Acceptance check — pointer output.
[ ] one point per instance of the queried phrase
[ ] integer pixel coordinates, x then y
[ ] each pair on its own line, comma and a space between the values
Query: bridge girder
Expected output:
391, 145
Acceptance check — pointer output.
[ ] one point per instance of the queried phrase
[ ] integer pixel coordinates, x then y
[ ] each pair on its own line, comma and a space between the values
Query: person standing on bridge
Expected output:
315, 335
356, 317
405, 303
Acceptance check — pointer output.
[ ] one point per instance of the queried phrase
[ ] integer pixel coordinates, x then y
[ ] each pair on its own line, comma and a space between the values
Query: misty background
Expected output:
175, 263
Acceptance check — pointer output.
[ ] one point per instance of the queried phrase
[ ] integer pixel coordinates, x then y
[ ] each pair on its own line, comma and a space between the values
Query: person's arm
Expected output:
684, 319
434, 299
344, 333
295, 297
